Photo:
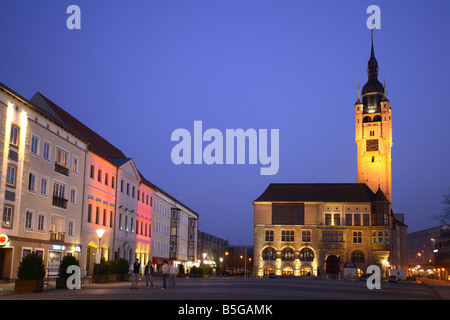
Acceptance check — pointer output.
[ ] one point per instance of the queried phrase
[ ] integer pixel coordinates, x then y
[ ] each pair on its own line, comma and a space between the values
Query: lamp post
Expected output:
100, 233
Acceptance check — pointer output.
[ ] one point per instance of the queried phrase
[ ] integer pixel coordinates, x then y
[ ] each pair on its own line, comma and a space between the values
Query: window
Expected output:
106, 178
75, 164
121, 185
104, 217
61, 157
99, 175
287, 235
306, 254
269, 235
132, 192
332, 236
57, 224
70, 230
288, 214
113, 182
306, 236
92, 171
337, 219
372, 133
41, 223
90, 212
32, 182
73, 196
366, 219
34, 148
328, 219
111, 216
11, 176
139, 196
7, 216
357, 256
46, 151
44, 186
128, 189
59, 195
287, 254
269, 254
357, 237
348, 219
29, 220
357, 219
14, 137
97, 215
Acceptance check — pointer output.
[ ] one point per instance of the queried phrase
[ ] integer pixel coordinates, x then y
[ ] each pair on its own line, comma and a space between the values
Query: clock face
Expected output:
372, 145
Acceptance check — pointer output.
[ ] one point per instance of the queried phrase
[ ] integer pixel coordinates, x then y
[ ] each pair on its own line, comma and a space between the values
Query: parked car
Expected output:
393, 279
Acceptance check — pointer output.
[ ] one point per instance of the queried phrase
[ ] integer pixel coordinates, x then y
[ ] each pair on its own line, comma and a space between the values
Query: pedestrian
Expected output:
173, 274
149, 274
136, 270
165, 273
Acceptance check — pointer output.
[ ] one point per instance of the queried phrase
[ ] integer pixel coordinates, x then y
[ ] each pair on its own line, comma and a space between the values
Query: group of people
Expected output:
167, 271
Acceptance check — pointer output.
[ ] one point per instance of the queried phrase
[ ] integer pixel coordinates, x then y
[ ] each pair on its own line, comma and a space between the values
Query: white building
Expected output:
41, 187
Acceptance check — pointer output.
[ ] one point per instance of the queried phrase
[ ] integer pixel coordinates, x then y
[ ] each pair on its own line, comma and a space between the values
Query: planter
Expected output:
102, 278
124, 277
113, 277
29, 285
61, 283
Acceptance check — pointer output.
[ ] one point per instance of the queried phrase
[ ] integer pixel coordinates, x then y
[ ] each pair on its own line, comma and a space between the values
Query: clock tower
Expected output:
373, 132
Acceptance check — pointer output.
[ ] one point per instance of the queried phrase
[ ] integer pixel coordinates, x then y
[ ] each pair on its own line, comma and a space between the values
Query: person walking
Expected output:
165, 273
173, 274
149, 274
136, 270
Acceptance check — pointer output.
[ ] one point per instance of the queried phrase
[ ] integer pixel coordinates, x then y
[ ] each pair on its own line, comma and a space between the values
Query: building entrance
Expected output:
332, 265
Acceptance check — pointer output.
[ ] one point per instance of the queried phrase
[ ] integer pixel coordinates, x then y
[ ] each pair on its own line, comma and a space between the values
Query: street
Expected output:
240, 289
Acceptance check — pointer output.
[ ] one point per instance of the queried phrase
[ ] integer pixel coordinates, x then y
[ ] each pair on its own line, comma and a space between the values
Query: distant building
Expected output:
239, 258
211, 248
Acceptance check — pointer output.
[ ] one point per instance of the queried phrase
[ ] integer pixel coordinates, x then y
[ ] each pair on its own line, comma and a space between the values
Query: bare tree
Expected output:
444, 217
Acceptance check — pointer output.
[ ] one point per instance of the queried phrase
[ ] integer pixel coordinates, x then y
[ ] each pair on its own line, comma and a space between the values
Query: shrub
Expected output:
31, 267
123, 266
65, 263
101, 268
113, 267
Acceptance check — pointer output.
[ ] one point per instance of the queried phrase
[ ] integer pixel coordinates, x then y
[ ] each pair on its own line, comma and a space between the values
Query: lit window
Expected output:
14, 137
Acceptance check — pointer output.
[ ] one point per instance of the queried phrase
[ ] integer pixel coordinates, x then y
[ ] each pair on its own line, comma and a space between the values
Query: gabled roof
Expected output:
320, 192
97, 143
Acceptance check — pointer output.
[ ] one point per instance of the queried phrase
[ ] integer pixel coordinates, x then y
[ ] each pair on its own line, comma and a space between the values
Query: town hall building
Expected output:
322, 228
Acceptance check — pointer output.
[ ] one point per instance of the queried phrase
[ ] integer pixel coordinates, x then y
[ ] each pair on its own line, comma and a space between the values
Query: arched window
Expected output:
306, 255
357, 256
287, 254
288, 271
367, 119
269, 253
377, 118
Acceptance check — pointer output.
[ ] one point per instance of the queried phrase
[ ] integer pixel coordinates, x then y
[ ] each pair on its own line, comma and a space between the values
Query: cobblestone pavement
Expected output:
240, 289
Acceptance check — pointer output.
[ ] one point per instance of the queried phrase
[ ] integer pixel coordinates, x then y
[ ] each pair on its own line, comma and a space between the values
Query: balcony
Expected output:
61, 169
59, 202
57, 236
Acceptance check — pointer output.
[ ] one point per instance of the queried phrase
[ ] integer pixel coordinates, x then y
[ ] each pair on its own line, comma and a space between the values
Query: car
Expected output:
393, 279
364, 277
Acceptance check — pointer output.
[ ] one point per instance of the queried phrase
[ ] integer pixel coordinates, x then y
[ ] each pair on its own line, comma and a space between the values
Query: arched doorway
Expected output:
332, 265
91, 255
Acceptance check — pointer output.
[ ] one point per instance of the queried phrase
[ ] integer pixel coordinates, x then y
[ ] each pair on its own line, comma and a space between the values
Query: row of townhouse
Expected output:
65, 190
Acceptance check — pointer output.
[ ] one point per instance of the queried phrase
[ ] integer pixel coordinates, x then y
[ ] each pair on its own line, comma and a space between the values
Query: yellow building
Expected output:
318, 229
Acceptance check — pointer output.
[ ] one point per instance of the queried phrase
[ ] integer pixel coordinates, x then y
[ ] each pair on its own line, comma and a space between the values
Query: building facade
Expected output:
317, 229
42, 185
65, 190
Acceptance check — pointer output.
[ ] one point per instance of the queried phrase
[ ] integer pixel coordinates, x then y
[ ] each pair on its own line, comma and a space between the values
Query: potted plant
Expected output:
113, 271
100, 271
124, 269
67, 261
30, 274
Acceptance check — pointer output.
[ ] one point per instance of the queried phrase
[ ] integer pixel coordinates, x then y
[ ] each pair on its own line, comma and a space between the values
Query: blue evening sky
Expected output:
137, 70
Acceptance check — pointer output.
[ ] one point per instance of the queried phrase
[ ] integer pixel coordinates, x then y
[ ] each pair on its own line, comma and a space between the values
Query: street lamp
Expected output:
100, 233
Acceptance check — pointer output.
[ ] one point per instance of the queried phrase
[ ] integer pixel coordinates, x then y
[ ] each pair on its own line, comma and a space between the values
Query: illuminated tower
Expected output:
373, 133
